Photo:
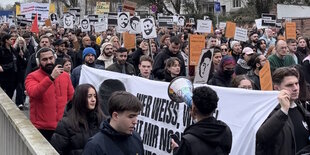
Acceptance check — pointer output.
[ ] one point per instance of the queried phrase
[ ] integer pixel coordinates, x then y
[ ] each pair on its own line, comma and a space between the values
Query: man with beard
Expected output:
89, 57
86, 42
256, 62
32, 65
121, 66
292, 47
148, 26
106, 57
172, 51
49, 89
123, 19
253, 39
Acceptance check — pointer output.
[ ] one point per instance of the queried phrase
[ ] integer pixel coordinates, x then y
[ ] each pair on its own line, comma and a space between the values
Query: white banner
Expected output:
33, 7
101, 26
204, 26
243, 111
241, 34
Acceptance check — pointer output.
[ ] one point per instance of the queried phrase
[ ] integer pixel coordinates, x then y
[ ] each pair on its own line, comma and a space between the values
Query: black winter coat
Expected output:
208, 136
160, 62
110, 142
68, 141
219, 79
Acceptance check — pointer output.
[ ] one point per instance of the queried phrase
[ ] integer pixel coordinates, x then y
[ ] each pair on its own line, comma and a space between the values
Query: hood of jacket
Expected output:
212, 132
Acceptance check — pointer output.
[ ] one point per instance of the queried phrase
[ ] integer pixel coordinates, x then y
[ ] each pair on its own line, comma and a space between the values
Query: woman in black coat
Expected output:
81, 122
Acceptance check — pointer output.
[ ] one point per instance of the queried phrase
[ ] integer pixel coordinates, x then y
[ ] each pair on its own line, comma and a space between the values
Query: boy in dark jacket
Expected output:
117, 135
208, 135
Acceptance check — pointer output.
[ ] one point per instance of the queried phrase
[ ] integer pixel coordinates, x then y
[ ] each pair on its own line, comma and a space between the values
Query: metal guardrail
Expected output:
17, 134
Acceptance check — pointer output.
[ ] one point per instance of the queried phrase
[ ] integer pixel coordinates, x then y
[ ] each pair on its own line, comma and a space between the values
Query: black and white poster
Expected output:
68, 21
53, 18
181, 21
268, 20
123, 21
135, 25
204, 66
148, 28
165, 21
85, 25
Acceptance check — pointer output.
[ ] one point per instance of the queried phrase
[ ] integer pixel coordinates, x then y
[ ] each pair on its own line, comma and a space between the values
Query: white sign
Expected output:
181, 20
258, 23
101, 26
85, 25
222, 25
148, 28
135, 25
204, 26
292, 11
123, 21
242, 110
204, 66
241, 34
33, 7
68, 21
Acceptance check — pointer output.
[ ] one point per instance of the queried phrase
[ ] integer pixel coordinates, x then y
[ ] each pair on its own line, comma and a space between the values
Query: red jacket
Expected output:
47, 98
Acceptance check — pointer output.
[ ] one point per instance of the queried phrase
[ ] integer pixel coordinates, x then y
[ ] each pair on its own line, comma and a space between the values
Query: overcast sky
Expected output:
6, 2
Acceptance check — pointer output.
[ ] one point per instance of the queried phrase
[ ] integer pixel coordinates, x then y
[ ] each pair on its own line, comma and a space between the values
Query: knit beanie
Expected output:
227, 60
105, 45
88, 50
233, 43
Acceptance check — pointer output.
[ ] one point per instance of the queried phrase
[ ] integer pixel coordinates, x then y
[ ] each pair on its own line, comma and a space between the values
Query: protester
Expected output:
208, 135
81, 123
8, 66
225, 73
145, 67
142, 49
79, 59
236, 50
261, 47
285, 131
302, 50
257, 62
117, 134
242, 81
304, 88
224, 49
121, 65
281, 57
106, 57
20, 47
292, 47
172, 69
49, 89
89, 57
242, 66
67, 64
268, 37
172, 51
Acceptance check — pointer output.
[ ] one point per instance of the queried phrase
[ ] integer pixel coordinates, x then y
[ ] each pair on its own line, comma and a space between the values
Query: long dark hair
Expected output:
79, 111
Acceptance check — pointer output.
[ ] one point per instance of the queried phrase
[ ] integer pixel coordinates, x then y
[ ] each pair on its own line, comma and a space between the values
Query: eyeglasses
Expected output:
224, 49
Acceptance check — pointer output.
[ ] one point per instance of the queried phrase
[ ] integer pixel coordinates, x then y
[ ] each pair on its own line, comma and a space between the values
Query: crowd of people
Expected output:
46, 67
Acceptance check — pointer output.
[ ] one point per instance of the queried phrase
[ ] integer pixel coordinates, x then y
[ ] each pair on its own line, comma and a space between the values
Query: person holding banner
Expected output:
286, 130
208, 135
145, 67
117, 135
172, 68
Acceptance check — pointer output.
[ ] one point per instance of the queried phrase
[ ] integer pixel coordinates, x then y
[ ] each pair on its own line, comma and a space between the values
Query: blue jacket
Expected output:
110, 142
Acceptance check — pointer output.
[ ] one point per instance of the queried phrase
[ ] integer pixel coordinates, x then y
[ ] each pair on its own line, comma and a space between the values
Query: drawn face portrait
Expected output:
53, 17
134, 22
148, 26
181, 20
68, 20
204, 64
123, 18
84, 24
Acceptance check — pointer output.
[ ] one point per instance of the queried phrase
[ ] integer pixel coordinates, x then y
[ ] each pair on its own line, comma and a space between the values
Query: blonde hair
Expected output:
16, 44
